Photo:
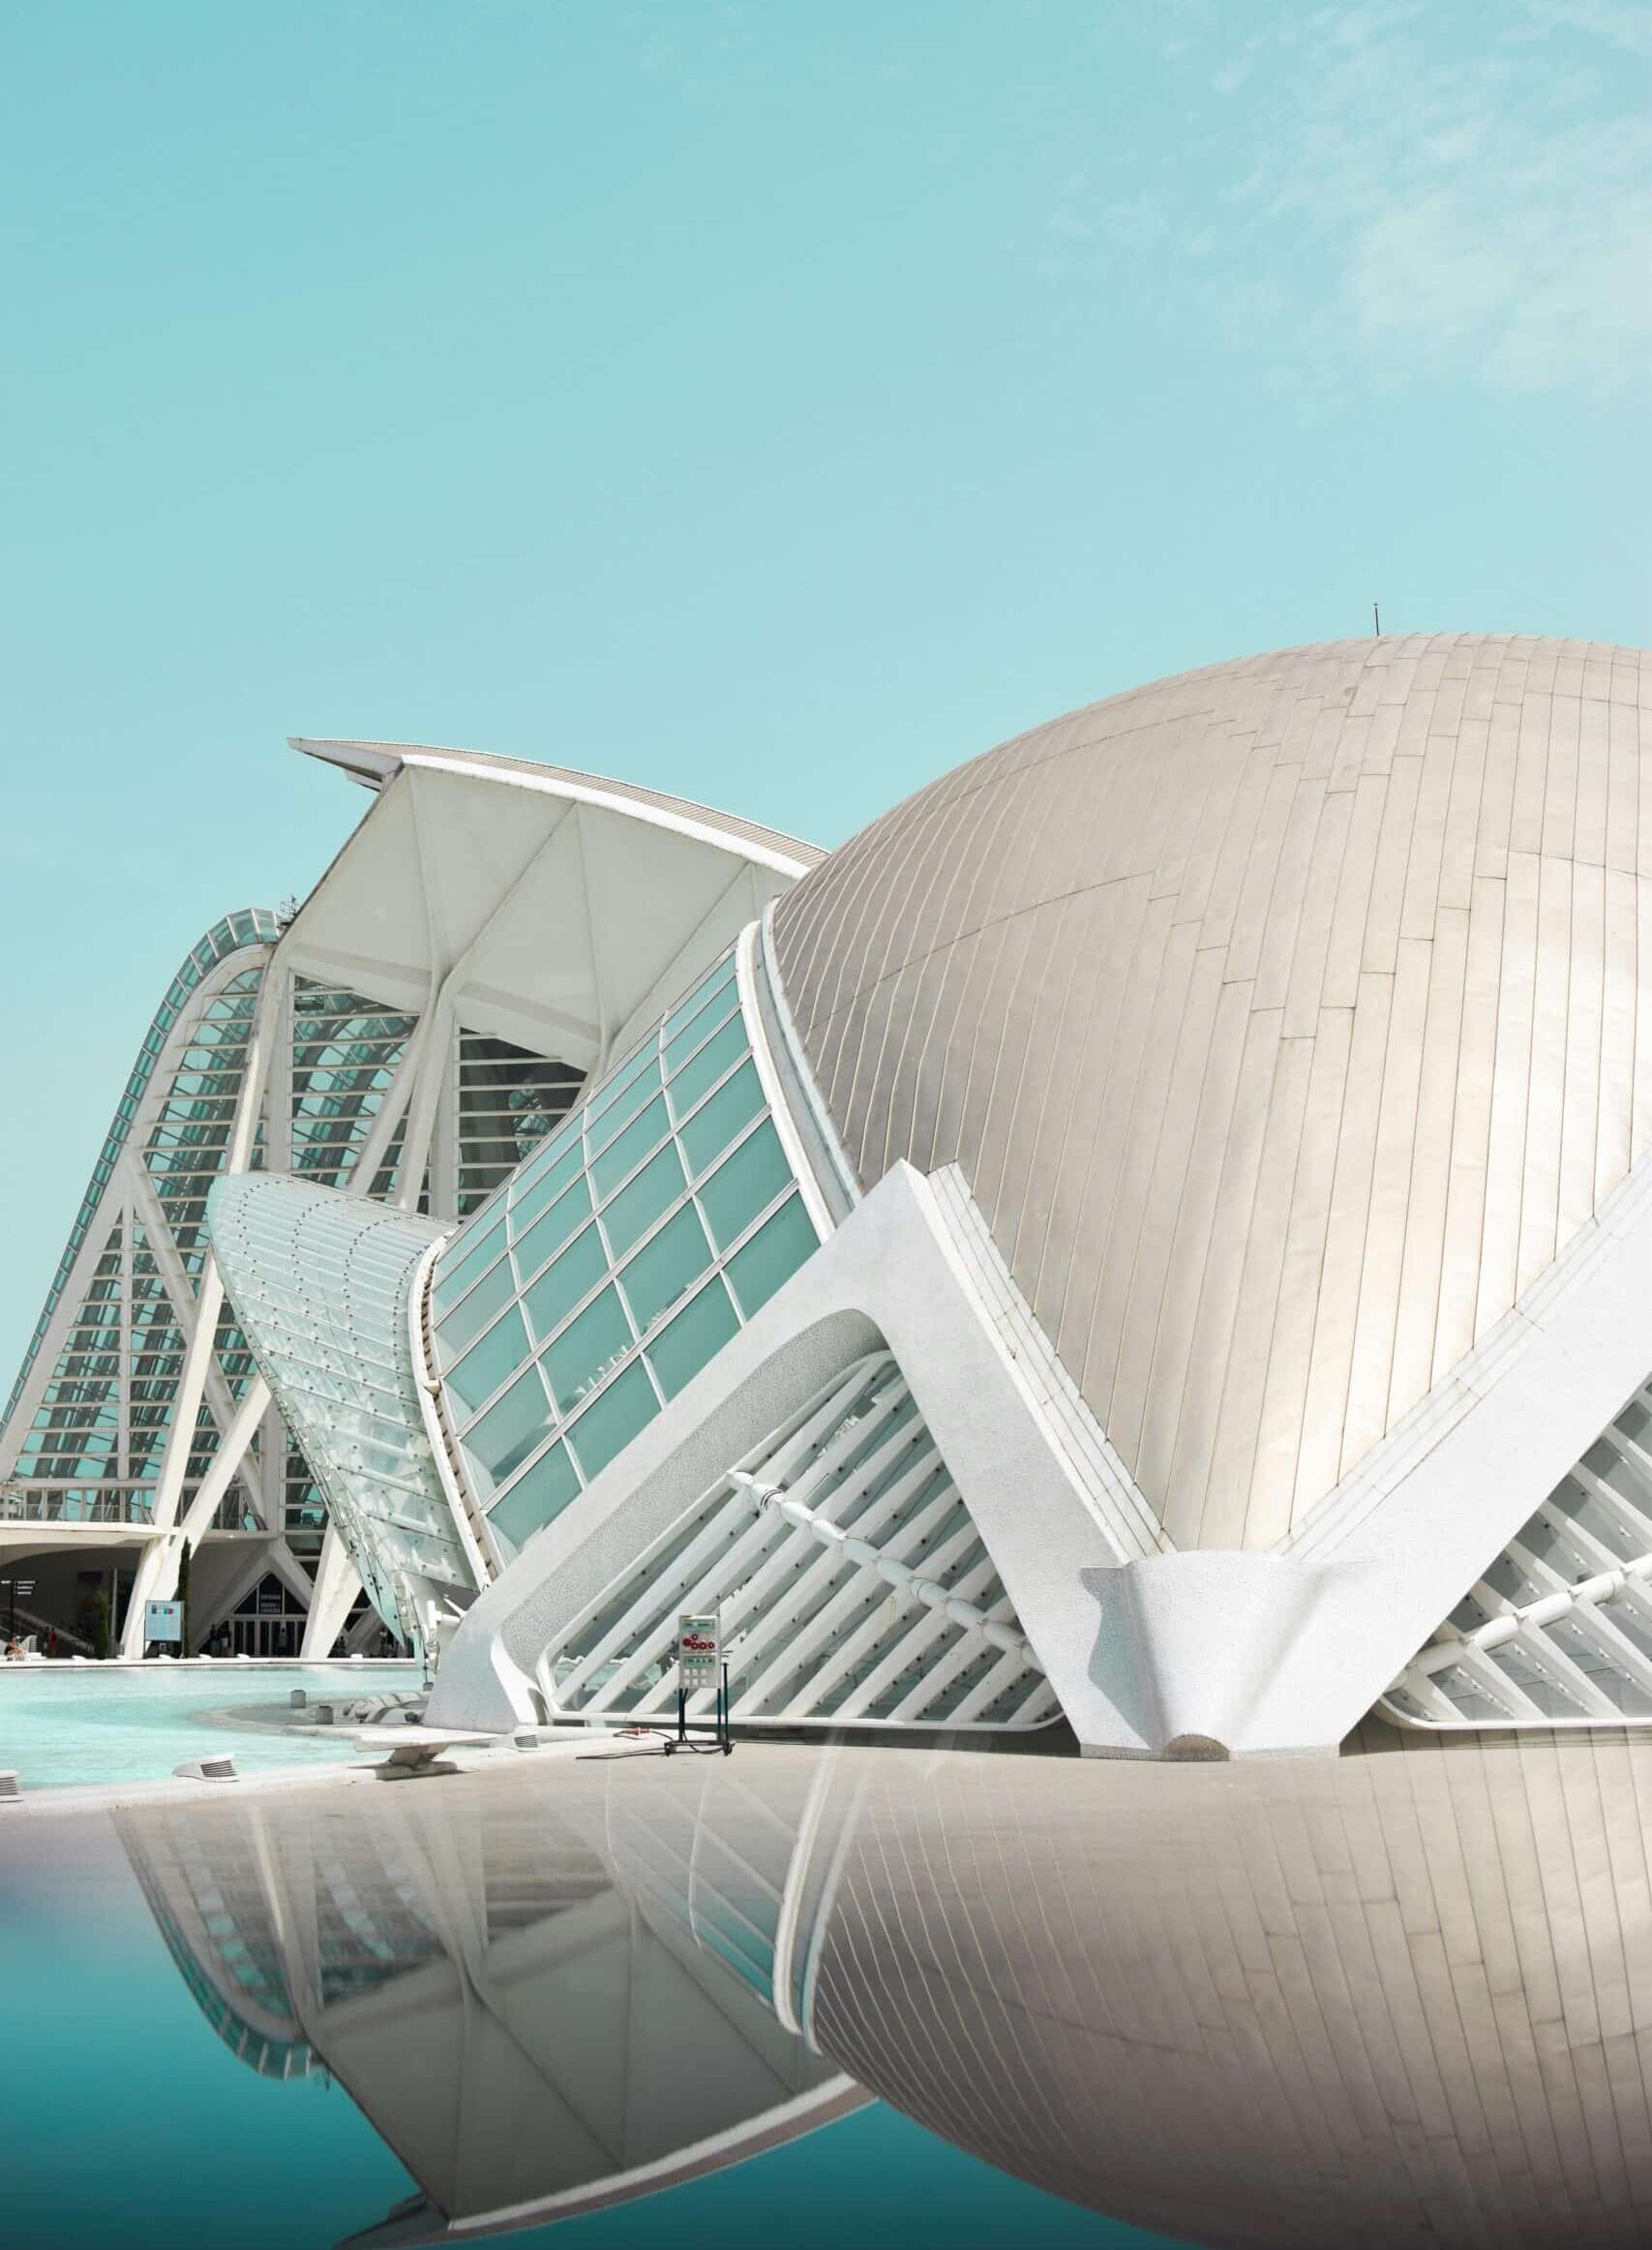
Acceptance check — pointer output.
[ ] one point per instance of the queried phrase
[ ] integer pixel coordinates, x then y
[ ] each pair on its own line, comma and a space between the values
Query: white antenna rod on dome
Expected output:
1377, 619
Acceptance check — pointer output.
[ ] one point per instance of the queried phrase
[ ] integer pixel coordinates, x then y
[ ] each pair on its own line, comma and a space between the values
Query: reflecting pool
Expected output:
820, 1996
74, 1724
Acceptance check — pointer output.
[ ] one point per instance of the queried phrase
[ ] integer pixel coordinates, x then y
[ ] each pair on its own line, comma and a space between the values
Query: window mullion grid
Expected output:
671, 1133
720, 1260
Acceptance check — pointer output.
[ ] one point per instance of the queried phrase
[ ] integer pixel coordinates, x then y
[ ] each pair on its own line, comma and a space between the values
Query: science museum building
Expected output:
1150, 1241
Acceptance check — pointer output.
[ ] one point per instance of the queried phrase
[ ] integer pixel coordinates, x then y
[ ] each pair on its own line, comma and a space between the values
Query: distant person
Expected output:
51, 1642
14, 1653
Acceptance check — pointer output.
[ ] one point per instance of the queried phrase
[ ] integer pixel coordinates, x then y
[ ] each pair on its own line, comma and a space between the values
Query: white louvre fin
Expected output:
1558, 1632
852, 1580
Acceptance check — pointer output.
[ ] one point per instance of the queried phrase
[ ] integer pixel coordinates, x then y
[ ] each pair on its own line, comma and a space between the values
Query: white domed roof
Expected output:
1285, 1018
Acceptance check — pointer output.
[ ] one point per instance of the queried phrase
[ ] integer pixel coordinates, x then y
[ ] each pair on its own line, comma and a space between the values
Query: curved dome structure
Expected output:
1156, 1233
1286, 1019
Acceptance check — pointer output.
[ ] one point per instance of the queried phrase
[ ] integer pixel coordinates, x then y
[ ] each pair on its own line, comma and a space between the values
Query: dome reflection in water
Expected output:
1403, 1995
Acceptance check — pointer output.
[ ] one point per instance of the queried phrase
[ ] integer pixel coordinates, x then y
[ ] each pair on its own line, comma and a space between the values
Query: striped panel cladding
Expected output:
1286, 1019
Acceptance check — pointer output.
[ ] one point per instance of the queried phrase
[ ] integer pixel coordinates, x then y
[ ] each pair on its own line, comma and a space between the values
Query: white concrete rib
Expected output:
1583, 1582
796, 1553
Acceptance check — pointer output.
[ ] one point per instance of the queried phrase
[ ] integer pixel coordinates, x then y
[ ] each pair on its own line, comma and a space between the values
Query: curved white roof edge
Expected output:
376, 764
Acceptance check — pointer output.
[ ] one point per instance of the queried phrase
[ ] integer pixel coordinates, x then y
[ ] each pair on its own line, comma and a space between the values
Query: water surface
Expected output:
828, 1996
74, 1724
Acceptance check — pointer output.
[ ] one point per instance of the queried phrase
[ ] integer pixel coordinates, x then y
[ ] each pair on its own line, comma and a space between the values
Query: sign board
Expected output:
164, 1621
698, 1651
272, 1598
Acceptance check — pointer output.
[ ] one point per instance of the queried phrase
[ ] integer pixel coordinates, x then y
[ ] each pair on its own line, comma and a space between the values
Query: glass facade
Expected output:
105, 1413
645, 1230
345, 1051
321, 1282
98, 1428
252, 927
507, 1102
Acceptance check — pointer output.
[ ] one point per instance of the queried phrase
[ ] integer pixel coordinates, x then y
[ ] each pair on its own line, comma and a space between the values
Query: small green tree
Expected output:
183, 1599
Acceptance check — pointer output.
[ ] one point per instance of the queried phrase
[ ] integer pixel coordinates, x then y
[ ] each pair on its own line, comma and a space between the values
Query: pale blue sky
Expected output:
776, 404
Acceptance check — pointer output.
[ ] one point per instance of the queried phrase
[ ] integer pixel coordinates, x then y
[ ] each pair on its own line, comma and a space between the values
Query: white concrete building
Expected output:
1152, 1234
406, 1036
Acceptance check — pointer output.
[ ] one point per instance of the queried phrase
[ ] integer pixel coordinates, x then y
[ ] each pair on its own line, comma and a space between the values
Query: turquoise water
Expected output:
237, 2161
78, 1723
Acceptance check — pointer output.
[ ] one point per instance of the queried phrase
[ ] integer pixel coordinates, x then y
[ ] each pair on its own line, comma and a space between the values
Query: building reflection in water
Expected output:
1393, 1998
531, 2033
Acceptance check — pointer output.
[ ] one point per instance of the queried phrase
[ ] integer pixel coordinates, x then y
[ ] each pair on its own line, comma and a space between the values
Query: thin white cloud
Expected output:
1422, 189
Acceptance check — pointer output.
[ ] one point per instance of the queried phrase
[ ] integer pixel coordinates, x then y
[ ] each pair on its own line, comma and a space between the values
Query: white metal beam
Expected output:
338, 1582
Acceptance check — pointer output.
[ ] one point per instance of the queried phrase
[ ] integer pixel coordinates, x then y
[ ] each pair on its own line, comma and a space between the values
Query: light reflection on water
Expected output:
67, 1726
1390, 1999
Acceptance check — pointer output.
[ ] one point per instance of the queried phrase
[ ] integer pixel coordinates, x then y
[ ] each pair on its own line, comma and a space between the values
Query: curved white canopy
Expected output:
549, 908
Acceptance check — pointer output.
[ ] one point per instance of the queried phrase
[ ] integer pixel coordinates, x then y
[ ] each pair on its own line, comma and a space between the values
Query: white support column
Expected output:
382, 1131
156, 1575
272, 1471
255, 1403
209, 1296
437, 1028
337, 1585
124, 1461
180, 1291
162, 1560
604, 1026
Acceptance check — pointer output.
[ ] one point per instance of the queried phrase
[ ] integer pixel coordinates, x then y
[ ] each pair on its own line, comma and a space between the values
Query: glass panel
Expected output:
455, 1329
601, 1124
747, 1183
563, 1282
612, 1421
624, 1154
533, 1191
454, 1275
584, 1351
635, 1208
508, 1433
487, 1364
540, 1495
696, 1029
695, 1335
621, 1078
779, 1246
718, 982
702, 1070
545, 1239
710, 1130
670, 1263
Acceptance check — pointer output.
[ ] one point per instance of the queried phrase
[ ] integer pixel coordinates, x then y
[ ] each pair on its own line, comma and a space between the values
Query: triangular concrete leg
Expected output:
1188, 1644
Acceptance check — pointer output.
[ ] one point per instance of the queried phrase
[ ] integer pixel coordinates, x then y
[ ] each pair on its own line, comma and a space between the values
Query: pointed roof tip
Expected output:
376, 764
371, 763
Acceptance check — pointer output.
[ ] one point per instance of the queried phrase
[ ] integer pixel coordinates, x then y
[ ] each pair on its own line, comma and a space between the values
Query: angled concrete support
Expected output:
337, 1585
895, 1275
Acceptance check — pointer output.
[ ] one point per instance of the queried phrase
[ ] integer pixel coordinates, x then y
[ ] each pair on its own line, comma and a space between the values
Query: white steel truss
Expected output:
138, 1403
490, 933
854, 1587
1558, 1630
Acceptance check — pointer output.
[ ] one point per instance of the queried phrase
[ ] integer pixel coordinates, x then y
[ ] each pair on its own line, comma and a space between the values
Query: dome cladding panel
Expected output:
1285, 1018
